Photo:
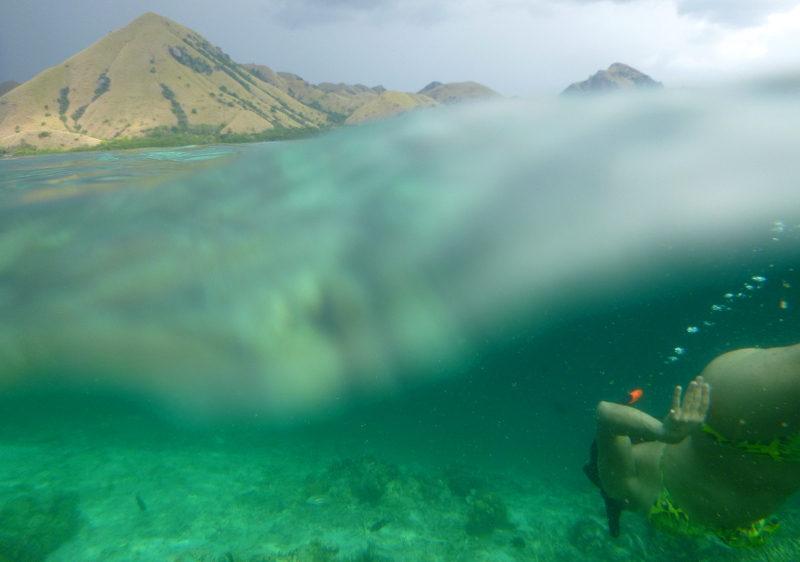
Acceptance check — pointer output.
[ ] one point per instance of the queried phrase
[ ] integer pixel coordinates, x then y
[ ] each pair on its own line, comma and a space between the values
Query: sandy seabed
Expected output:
72, 494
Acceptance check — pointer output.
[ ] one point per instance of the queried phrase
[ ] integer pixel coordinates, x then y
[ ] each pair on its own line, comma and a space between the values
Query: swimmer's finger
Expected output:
690, 400
698, 400
676, 400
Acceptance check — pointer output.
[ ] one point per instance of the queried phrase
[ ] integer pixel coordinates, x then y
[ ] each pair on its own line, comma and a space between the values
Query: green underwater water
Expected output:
479, 459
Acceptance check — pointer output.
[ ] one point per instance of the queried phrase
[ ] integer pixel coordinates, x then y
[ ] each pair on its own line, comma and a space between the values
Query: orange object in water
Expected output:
635, 395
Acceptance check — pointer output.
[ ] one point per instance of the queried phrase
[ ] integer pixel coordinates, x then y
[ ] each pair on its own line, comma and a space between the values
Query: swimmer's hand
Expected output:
683, 418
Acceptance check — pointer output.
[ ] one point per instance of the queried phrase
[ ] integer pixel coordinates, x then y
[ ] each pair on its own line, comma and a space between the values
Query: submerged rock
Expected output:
35, 523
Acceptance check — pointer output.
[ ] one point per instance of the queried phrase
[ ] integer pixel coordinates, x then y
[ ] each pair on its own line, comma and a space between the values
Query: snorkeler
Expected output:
720, 466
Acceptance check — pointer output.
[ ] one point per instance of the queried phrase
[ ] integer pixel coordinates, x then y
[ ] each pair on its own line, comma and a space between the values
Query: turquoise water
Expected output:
386, 343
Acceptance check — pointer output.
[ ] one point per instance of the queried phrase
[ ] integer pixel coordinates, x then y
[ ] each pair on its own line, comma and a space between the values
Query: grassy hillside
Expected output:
338, 101
388, 103
150, 77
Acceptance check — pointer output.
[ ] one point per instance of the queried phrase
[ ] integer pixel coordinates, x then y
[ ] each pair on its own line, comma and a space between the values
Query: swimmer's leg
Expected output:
616, 426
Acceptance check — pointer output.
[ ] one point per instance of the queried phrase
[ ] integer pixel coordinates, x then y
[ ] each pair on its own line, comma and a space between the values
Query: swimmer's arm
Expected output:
615, 420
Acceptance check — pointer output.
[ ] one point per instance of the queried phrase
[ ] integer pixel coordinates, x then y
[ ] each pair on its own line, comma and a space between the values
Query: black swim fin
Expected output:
613, 507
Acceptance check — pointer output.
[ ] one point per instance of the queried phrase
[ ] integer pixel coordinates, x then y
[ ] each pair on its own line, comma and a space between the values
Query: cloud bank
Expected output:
736, 13
294, 13
297, 13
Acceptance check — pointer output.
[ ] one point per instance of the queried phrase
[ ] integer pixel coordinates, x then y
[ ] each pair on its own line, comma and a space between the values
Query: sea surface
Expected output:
386, 343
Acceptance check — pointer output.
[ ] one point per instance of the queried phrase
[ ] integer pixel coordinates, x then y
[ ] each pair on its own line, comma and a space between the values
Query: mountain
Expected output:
154, 78
455, 92
357, 103
151, 75
388, 103
338, 101
618, 76
7, 86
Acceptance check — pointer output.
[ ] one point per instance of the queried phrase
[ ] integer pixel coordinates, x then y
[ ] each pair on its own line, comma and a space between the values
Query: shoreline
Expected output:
170, 141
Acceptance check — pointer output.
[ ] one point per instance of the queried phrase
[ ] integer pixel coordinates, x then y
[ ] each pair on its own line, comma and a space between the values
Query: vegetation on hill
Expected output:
103, 84
63, 104
164, 138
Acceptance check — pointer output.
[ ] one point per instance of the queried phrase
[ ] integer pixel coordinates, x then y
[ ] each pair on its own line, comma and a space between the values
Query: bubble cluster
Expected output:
745, 290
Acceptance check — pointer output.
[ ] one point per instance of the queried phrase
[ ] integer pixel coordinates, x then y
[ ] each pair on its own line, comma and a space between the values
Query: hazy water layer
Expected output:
277, 279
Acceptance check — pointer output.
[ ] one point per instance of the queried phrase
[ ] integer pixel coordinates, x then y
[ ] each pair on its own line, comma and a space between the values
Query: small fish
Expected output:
635, 395
318, 500
378, 525
140, 503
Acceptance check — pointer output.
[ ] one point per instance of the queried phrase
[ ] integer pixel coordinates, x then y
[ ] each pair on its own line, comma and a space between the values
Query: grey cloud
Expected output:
298, 13
736, 13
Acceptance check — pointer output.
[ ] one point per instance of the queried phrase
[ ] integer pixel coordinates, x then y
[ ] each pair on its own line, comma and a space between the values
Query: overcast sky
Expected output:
517, 47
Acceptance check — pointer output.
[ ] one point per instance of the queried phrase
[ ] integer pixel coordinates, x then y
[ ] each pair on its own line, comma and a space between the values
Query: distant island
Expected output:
155, 82
618, 77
